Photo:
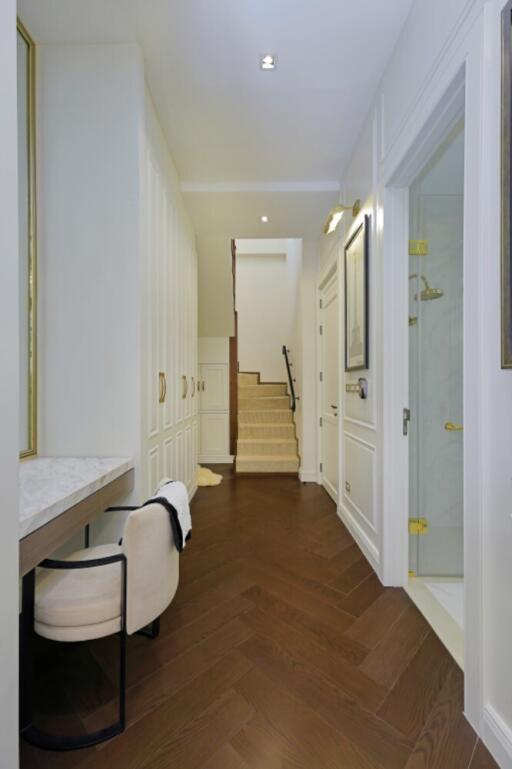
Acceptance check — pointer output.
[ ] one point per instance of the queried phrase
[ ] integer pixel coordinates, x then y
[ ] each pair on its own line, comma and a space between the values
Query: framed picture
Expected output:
356, 299
506, 180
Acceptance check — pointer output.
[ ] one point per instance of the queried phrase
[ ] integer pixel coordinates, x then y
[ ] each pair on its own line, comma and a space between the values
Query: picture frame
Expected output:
356, 273
506, 187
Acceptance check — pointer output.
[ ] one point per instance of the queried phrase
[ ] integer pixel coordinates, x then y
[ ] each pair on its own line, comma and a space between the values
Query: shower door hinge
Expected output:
406, 418
418, 525
418, 247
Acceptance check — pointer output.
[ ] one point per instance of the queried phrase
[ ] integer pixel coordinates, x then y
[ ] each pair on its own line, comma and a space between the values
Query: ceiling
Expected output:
229, 123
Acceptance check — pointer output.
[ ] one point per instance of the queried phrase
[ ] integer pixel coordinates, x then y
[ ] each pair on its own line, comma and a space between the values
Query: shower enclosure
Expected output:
436, 363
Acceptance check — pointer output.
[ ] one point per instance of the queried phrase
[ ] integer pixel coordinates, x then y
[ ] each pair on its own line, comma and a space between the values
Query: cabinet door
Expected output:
214, 435
214, 387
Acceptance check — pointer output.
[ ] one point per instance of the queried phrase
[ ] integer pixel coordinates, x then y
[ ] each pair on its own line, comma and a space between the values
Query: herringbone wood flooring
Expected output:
281, 651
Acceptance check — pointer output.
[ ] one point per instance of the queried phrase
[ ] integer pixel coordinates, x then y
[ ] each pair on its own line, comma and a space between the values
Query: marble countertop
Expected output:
51, 485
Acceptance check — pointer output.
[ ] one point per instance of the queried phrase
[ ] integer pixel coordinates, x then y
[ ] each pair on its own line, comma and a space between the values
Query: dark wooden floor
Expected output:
281, 651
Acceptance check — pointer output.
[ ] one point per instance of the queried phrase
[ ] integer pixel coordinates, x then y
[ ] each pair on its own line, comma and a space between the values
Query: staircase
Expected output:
267, 442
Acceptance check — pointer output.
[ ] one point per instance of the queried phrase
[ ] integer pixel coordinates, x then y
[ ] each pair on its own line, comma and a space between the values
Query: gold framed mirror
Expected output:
27, 243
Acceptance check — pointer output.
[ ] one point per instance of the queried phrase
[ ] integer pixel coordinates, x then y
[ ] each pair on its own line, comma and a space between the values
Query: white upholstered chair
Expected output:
108, 589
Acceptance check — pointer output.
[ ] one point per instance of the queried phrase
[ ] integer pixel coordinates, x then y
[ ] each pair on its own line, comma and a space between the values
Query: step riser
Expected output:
262, 391
264, 417
255, 404
264, 465
275, 448
247, 379
286, 432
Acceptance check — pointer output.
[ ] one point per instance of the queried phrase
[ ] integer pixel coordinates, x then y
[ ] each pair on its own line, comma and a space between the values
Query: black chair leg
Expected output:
151, 631
29, 731
41, 739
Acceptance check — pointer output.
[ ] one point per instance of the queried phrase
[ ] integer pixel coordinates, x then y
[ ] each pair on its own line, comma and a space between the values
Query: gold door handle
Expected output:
452, 427
193, 387
165, 386
184, 388
161, 382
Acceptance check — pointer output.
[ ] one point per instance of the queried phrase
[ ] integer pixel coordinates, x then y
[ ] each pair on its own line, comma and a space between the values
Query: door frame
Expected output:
456, 101
331, 273
233, 367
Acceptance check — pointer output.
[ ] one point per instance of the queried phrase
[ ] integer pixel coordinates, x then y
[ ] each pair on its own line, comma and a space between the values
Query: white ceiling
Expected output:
225, 119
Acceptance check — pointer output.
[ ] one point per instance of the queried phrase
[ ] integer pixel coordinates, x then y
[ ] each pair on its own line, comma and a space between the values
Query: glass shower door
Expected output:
436, 364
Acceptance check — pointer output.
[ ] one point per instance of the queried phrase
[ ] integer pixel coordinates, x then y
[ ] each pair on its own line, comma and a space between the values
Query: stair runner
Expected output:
267, 442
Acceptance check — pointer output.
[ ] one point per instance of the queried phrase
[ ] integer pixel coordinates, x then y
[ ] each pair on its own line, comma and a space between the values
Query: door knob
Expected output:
453, 427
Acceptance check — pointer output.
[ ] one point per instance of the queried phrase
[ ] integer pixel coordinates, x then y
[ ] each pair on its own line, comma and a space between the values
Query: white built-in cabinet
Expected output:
170, 428
214, 400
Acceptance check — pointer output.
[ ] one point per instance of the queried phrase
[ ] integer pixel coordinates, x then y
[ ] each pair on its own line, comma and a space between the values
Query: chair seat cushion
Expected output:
80, 597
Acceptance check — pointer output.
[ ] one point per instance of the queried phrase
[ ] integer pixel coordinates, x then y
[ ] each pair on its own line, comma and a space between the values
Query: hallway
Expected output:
282, 649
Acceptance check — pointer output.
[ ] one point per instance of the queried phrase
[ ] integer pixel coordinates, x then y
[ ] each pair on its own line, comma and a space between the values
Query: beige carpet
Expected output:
205, 477
267, 442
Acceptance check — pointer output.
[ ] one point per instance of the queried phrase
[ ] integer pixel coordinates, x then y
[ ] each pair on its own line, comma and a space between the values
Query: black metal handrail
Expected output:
293, 397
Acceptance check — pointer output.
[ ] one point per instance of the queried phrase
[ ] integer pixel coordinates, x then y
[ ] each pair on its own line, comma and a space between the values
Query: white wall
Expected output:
9, 440
412, 88
216, 316
267, 295
90, 104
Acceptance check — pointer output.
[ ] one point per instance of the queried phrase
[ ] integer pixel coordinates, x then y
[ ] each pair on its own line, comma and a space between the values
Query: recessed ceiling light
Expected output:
264, 219
268, 61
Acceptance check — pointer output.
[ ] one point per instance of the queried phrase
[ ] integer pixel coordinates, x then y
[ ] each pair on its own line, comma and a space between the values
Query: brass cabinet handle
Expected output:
202, 388
453, 427
193, 387
162, 386
165, 386
184, 388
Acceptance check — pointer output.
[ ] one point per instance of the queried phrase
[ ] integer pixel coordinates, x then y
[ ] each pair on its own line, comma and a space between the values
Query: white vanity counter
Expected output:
51, 485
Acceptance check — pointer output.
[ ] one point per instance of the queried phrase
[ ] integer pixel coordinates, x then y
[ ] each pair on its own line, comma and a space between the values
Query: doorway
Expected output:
435, 324
329, 393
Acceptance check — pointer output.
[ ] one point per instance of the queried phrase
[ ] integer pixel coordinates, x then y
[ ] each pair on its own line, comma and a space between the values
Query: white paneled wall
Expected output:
117, 274
464, 47
170, 377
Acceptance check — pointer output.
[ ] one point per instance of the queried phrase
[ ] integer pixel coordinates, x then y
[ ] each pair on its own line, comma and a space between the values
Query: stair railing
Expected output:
293, 397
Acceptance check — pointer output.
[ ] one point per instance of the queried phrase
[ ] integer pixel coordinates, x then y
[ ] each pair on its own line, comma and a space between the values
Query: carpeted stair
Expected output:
267, 441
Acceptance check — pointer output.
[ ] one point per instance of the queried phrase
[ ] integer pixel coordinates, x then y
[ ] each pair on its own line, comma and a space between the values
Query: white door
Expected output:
214, 387
329, 390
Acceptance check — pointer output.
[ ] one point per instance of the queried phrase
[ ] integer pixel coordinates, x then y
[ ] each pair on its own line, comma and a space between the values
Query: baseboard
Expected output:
306, 476
365, 544
192, 492
227, 459
497, 735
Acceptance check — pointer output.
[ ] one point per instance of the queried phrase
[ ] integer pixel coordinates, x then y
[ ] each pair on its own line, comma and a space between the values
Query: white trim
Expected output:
362, 539
321, 186
224, 459
498, 737
306, 476
192, 492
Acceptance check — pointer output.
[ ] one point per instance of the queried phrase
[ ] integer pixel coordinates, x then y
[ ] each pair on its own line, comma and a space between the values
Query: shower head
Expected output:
429, 293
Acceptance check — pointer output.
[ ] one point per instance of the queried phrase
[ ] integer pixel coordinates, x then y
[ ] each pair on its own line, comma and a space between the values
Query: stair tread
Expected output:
270, 457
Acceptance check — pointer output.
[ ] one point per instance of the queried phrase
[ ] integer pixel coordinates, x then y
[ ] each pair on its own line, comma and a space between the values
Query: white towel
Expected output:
173, 496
